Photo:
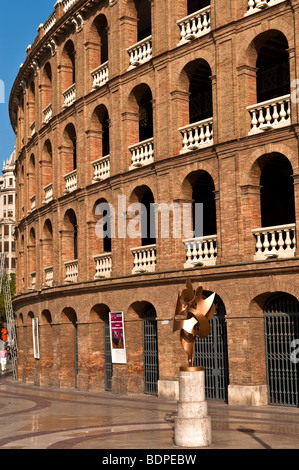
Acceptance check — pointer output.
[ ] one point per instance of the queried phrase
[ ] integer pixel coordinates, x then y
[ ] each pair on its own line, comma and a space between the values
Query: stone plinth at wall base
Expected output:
250, 395
168, 389
192, 426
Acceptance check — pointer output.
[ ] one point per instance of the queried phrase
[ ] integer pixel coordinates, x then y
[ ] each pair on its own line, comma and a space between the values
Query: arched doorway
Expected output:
69, 349
211, 353
281, 316
150, 350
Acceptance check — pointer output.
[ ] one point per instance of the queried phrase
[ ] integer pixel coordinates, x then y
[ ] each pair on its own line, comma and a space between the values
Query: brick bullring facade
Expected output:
168, 102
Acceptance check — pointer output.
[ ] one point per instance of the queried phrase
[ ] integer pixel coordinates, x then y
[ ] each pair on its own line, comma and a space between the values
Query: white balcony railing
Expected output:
49, 23
142, 153
103, 265
145, 259
100, 75
48, 113
69, 96
33, 280
195, 25
67, 4
70, 181
140, 52
48, 190
270, 114
33, 202
275, 242
49, 276
201, 251
32, 129
101, 168
71, 268
197, 135
258, 5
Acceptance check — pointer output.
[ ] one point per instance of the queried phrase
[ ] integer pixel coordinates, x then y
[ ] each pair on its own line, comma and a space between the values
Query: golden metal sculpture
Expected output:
192, 316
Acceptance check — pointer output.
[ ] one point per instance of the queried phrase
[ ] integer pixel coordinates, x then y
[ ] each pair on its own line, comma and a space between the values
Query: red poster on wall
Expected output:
117, 338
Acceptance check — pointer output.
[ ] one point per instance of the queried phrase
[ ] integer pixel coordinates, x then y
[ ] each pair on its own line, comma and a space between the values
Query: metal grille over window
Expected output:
211, 353
150, 351
281, 328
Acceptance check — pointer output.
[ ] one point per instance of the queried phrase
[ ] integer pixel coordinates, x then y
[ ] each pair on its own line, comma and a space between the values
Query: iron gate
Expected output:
108, 357
150, 351
281, 316
76, 356
211, 353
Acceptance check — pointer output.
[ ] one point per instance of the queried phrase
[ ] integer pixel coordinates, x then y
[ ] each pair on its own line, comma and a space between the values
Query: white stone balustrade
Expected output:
71, 268
49, 276
270, 114
195, 25
275, 242
49, 23
70, 181
101, 168
69, 96
32, 129
103, 265
67, 4
258, 5
33, 280
145, 259
140, 52
48, 190
142, 153
48, 113
197, 135
33, 202
100, 75
201, 251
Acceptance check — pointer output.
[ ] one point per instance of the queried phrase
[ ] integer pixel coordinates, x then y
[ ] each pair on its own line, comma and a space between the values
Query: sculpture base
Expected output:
190, 369
192, 426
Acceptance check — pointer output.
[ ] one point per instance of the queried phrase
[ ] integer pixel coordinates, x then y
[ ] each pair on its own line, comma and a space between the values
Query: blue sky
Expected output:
19, 22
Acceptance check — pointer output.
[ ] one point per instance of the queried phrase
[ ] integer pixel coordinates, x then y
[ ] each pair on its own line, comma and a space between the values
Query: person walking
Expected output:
3, 359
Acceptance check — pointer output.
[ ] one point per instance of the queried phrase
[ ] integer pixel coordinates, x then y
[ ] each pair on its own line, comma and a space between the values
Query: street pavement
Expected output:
48, 418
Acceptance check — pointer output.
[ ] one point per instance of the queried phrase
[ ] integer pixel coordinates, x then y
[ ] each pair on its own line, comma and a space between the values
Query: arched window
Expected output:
70, 142
273, 74
200, 89
196, 5
68, 65
144, 25
47, 85
146, 130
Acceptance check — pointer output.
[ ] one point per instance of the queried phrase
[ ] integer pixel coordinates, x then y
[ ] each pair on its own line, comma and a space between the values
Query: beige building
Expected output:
7, 213
160, 101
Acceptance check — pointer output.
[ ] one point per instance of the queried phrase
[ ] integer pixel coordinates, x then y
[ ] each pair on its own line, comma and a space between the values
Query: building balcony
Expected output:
48, 190
49, 23
33, 281
201, 251
275, 242
48, 113
69, 96
67, 4
101, 168
140, 52
100, 76
33, 203
270, 114
70, 182
195, 25
49, 276
71, 269
103, 265
257, 5
142, 153
145, 259
197, 135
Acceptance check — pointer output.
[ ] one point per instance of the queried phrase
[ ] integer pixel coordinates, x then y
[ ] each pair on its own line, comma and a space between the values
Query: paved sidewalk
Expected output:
47, 418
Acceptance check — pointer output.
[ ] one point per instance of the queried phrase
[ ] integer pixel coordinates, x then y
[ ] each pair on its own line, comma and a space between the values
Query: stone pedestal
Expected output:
192, 426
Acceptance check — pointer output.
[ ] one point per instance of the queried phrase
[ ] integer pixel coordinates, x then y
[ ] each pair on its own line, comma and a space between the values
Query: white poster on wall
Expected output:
35, 338
117, 338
